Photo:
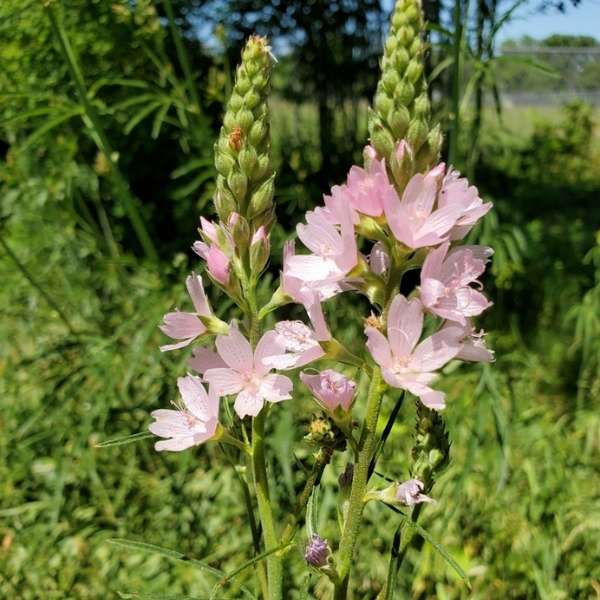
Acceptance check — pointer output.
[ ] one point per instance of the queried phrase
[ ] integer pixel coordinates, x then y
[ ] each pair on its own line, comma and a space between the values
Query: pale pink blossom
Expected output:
300, 346
474, 348
217, 262
410, 493
457, 192
446, 279
203, 359
194, 422
246, 373
308, 293
330, 388
334, 250
379, 259
405, 364
366, 188
187, 326
211, 250
415, 220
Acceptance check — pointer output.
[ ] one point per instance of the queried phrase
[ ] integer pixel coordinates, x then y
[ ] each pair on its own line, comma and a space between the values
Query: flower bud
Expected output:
330, 388
244, 135
259, 250
262, 199
317, 551
379, 259
239, 229
345, 478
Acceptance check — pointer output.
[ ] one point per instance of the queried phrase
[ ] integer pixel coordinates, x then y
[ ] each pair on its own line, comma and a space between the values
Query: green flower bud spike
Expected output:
431, 451
401, 105
242, 152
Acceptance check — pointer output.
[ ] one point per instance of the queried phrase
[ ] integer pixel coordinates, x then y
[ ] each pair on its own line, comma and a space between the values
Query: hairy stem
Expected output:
261, 485
366, 445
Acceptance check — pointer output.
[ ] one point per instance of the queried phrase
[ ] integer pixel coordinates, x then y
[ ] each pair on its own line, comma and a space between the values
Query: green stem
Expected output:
274, 564
367, 445
92, 121
53, 304
455, 105
313, 479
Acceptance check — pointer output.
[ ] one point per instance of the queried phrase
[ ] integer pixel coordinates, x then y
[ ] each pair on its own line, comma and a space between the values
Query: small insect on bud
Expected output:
235, 138
317, 551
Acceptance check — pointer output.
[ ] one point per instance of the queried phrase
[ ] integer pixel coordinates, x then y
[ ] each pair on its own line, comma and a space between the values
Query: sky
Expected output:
582, 20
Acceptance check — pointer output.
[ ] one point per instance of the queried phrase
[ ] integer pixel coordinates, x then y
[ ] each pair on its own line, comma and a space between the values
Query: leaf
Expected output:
192, 186
226, 578
165, 553
443, 552
159, 120
47, 127
128, 439
190, 166
141, 115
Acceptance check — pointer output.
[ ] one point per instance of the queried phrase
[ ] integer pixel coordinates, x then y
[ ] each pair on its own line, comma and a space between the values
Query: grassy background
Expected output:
519, 506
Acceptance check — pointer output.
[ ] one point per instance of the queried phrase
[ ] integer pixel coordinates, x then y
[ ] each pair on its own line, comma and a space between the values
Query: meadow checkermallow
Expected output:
399, 211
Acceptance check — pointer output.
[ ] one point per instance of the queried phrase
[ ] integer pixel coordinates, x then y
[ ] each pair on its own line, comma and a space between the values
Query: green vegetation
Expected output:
82, 296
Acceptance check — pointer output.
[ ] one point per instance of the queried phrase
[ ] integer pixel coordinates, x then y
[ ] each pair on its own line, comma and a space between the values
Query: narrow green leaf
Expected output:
128, 439
442, 551
141, 115
165, 553
192, 186
190, 166
47, 127
159, 119
249, 563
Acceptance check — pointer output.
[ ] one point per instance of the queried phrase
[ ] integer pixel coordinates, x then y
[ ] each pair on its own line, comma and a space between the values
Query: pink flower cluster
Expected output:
434, 210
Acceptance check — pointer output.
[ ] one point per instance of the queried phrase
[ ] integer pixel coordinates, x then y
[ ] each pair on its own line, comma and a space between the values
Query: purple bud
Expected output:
317, 551
345, 479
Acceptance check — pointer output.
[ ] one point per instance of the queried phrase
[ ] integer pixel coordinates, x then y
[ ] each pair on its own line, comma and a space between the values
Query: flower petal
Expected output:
236, 351
248, 403
224, 381
275, 388
379, 347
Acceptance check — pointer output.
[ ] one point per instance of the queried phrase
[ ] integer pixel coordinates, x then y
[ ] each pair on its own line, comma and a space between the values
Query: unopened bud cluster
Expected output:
431, 450
242, 152
401, 105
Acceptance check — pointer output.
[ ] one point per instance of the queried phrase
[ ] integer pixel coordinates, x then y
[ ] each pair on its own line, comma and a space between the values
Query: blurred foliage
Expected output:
520, 504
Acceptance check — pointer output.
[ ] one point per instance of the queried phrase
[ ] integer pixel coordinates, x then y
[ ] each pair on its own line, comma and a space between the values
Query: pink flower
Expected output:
366, 188
195, 422
246, 373
457, 192
409, 493
405, 364
308, 293
334, 251
446, 279
186, 326
204, 359
414, 219
473, 348
217, 261
379, 259
300, 346
330, 388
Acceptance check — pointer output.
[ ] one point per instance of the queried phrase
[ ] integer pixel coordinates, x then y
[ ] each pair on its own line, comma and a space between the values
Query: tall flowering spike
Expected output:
401, 105
431, 450
242, 152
